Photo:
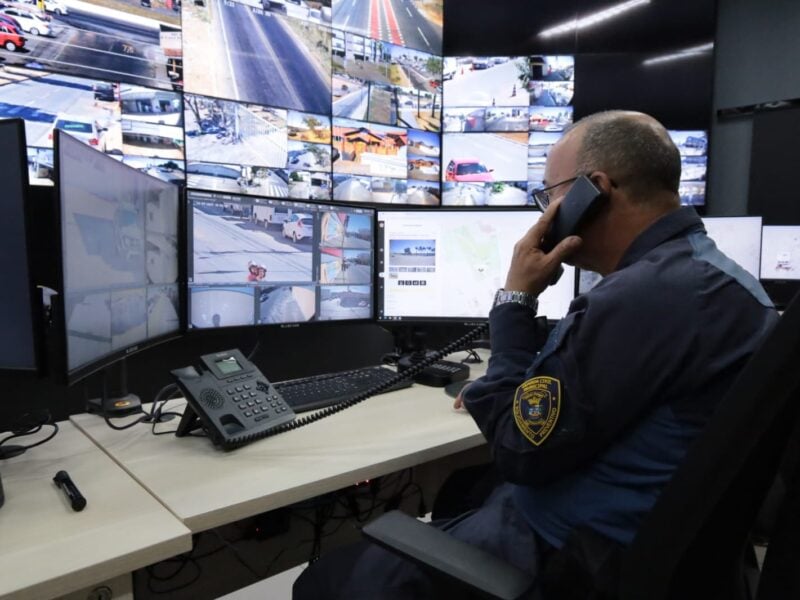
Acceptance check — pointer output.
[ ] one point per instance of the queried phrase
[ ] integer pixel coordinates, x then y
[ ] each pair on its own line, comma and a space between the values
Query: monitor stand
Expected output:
116, 401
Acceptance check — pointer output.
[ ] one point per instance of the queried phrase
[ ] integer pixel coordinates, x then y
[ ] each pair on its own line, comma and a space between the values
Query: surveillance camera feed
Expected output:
448, 264
693, 146
780, 252
501, 117
119, 231
262, 261
414, 24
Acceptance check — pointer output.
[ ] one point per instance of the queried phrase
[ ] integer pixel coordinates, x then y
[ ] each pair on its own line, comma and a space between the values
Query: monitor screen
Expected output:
261, 261
240, 51
739, 238
17, 319
448, 264
120, 262
780, 252
693, 146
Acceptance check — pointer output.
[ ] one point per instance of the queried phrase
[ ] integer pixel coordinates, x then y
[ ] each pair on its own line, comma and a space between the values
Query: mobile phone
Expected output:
582, 201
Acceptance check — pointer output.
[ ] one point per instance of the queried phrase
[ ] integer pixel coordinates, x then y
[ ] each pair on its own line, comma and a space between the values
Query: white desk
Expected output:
205, 487
48, 550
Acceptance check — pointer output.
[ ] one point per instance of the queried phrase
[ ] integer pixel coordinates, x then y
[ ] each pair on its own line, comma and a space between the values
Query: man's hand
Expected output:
531, 269
458, 403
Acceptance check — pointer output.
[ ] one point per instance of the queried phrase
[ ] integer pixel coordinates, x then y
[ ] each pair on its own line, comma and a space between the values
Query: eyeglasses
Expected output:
542, 196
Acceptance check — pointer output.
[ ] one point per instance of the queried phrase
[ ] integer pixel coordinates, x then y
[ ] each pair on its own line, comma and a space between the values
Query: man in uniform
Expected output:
587, 431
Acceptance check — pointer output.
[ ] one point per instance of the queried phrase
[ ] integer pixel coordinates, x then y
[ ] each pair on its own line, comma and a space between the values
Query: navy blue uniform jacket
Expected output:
592, 427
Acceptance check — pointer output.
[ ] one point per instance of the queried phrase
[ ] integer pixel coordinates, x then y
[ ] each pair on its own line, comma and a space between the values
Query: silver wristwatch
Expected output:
502, 296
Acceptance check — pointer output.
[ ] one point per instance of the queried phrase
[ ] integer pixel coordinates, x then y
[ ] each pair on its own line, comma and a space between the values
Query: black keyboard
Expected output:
319, 391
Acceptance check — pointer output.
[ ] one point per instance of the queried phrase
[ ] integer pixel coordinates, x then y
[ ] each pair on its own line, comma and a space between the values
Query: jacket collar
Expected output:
671, 225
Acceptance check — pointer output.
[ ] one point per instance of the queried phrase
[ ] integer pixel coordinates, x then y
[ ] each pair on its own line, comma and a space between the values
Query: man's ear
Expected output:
602, 181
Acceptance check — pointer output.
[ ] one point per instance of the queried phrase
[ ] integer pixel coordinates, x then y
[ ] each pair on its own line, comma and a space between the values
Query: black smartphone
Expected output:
582, 201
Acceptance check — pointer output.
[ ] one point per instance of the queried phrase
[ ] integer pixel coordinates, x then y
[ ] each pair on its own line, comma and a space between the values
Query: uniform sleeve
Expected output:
547, 415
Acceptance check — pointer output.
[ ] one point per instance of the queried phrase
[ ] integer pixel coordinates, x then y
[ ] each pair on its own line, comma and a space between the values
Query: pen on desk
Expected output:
76, 499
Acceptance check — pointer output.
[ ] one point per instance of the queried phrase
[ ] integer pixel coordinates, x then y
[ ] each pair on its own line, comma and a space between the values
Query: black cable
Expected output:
27, 424
127, 425
414, 369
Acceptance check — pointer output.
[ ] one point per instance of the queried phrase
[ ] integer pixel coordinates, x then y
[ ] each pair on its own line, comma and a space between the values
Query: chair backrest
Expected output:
780, 576
692, 543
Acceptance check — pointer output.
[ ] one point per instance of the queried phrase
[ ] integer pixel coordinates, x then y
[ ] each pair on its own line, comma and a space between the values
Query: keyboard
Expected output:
319, 391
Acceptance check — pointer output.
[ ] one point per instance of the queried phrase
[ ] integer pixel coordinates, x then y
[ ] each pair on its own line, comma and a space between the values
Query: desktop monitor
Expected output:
20, 317
780, 262
446, 265
261, 261
119, 231
739, 238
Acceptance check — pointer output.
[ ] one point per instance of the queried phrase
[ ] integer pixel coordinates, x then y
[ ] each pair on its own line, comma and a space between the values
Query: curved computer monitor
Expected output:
119, 229
780, 262
20, 318
446, 265
261, 261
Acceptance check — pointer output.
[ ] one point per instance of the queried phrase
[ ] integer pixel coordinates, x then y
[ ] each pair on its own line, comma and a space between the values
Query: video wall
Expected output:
322, 100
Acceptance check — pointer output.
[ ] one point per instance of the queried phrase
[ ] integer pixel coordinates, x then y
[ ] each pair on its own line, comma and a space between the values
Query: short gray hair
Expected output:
634, 150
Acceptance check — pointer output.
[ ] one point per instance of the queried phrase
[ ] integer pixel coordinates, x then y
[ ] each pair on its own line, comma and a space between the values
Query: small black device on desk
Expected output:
231, 399
327, 389
76, 499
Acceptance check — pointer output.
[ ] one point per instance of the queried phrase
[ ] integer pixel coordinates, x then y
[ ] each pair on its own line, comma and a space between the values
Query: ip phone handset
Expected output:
231, 399
580, 204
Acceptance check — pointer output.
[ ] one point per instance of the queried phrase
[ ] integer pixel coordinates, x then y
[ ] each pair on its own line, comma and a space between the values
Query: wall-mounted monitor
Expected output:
120, 258
446, 265
138, 43
240, 51
141, 126
411, 24
693, 146
262, 261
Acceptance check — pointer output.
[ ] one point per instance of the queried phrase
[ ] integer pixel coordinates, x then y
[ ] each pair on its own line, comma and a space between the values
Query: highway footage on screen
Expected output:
120, 249
118, 40
257, 52
260, 261
412, 23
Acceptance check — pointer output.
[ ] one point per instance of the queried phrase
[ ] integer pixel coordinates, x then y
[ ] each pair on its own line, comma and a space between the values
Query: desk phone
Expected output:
230, 399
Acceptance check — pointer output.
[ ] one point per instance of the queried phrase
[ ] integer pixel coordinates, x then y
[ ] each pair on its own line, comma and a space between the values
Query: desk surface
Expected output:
47, 549
205, 487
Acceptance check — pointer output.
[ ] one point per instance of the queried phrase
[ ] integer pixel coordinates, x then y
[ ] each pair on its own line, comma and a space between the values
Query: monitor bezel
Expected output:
72, 376
420, 320
261, 327
35, 295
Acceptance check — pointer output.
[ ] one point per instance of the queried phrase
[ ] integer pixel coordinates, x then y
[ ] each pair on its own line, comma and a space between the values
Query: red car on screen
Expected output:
467, 170
10, 39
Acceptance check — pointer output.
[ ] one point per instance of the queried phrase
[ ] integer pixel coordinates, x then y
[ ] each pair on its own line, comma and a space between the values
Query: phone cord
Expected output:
360, 397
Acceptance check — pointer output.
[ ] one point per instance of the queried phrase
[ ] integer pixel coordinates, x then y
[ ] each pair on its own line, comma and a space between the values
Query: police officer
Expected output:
587, 432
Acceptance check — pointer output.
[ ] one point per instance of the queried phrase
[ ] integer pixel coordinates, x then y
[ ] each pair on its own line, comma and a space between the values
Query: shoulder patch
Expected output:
537, 404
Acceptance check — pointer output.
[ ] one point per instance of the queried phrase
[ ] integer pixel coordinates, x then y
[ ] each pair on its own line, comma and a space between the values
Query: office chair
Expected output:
780, 576
694, 544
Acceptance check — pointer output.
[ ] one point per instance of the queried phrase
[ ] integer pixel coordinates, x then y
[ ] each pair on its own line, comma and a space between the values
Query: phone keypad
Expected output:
250, 403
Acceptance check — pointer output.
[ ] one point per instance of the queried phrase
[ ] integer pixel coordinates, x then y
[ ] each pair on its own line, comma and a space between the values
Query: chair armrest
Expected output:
436, 550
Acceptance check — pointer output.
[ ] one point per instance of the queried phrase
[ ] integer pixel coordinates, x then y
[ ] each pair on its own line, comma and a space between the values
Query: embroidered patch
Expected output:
537, 404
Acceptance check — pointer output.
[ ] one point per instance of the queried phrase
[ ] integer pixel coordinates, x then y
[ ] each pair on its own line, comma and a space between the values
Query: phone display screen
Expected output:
228, 365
